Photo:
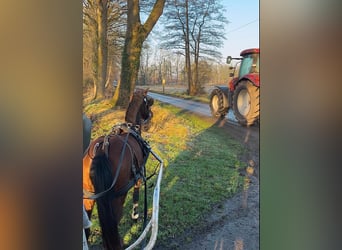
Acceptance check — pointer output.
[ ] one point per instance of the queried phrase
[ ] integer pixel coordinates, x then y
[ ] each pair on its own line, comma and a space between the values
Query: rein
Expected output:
98, 195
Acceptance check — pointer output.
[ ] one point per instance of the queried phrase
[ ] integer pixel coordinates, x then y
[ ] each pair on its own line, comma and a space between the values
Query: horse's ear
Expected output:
146, 91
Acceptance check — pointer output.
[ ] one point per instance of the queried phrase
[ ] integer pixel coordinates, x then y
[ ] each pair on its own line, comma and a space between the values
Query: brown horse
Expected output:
113, 164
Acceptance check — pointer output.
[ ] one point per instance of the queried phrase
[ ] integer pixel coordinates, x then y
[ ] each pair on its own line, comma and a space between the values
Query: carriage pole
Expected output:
153, 223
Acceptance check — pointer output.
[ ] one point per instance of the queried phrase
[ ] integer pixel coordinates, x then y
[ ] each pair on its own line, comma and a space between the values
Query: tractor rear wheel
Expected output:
246, 103
217, 103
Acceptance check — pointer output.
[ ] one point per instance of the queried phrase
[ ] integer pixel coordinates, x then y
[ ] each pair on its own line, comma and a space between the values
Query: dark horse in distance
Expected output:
113, 164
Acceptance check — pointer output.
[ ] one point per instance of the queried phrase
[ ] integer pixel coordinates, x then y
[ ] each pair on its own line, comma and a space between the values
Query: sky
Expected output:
242, 31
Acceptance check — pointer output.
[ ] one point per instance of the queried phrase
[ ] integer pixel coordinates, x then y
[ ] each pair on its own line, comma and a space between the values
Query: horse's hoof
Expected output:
135, 214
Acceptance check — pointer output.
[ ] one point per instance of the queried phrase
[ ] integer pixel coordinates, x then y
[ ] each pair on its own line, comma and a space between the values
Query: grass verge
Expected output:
201, 169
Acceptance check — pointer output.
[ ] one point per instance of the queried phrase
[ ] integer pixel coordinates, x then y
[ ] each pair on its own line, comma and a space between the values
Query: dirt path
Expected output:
230, 226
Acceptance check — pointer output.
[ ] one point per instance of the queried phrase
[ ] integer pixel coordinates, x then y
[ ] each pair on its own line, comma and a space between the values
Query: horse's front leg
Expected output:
135, 212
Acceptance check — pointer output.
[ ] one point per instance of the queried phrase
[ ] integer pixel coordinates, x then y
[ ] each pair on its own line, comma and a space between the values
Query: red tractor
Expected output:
242, 94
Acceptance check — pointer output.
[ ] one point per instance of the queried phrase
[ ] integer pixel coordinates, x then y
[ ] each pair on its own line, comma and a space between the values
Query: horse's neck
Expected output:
132, 112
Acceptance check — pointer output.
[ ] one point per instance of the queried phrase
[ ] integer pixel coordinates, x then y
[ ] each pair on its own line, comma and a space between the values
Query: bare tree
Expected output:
144, 72
116, 35
102, 29
89, 43
102, 46
197, 28
136, 34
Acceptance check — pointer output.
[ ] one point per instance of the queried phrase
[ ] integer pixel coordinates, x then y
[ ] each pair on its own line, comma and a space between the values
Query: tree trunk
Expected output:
129, 69
187, 51
136, 34
196, 80
94, 89
116, 93
131, 54
102, 48
109, 77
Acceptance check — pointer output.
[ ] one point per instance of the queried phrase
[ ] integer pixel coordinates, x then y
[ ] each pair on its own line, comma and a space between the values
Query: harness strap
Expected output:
119, 129
105, 146
98, 195
124, 189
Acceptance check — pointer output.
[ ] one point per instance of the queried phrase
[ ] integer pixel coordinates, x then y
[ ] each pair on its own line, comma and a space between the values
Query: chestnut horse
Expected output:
113, 164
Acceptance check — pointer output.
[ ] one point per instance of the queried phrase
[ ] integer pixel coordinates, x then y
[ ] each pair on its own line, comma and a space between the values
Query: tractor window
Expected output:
246, 65
249, 64
256, 70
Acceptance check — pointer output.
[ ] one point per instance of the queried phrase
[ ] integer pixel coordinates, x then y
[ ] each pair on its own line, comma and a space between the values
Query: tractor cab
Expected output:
248, 63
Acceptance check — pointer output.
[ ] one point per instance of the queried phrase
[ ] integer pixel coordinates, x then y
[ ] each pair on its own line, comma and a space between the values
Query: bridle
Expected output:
148, 102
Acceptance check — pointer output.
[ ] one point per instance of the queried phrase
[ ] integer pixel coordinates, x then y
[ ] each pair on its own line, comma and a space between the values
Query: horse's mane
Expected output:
134, 105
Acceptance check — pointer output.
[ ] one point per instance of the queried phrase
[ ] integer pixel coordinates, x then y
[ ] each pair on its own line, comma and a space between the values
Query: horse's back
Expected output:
119, 154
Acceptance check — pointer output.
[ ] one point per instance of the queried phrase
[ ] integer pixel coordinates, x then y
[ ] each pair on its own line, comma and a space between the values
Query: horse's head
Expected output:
139, 109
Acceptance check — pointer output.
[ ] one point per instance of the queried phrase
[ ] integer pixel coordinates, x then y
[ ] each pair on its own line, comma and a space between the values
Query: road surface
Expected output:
196, 107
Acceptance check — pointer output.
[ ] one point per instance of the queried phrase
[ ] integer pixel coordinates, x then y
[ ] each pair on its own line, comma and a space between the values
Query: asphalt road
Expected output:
196, 107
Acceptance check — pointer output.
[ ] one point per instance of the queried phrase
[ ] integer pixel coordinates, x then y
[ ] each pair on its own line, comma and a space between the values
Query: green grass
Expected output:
201, 169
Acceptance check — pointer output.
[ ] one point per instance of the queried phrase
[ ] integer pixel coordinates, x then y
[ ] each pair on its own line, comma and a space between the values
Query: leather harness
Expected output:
129, 130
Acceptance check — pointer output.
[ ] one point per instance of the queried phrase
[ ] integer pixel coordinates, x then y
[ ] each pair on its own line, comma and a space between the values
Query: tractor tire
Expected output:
217, 103
246, 103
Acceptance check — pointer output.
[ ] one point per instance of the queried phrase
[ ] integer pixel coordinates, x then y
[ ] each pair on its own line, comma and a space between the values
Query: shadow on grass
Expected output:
205, 174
